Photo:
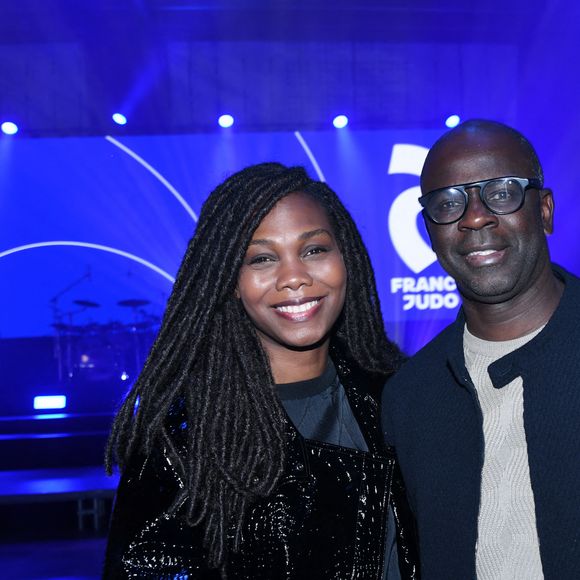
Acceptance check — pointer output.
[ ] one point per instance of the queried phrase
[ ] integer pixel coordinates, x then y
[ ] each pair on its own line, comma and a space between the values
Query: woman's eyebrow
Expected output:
311, 234
302, 236
264, 242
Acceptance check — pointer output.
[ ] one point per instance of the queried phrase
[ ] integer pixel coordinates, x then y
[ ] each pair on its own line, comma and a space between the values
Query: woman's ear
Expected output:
237, 293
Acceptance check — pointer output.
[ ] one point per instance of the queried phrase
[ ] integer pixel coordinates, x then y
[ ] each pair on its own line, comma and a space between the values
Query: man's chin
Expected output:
487, 292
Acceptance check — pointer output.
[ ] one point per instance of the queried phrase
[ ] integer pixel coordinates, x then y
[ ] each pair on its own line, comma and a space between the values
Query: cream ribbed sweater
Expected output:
507, 545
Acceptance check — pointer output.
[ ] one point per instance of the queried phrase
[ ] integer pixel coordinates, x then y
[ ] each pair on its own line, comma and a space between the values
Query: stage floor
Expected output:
71, 559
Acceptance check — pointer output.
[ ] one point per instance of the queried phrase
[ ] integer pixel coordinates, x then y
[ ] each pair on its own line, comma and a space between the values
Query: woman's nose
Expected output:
293, 274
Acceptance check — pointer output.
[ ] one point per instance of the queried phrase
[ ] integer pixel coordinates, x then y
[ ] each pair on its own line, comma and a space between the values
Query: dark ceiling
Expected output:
330, 20
67, 65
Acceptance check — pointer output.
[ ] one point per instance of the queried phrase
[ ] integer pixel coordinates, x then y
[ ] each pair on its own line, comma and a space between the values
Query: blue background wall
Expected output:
112, 218
94, 219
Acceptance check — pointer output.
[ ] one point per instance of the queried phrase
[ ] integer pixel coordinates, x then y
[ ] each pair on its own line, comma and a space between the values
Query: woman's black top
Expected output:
327, 518
319, 409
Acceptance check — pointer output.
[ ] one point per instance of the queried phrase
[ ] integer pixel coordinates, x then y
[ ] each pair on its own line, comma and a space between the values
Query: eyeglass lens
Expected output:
501, 196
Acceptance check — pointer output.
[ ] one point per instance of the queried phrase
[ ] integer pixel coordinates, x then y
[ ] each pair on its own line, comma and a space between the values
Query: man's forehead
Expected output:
470, 156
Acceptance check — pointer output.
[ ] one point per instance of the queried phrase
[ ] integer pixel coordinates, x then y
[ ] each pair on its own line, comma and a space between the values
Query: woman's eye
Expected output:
313, 251
258, 260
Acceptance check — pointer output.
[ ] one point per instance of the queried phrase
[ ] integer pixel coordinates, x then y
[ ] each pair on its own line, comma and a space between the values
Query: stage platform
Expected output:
57, 458
89, 487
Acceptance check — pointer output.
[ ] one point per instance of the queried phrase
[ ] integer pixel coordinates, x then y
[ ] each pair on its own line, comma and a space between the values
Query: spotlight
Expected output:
9, 128
340, 121
225, 121
124, 376
120, 119
452, 121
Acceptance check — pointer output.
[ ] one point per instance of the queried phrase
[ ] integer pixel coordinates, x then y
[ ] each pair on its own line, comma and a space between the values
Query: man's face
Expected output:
493, 258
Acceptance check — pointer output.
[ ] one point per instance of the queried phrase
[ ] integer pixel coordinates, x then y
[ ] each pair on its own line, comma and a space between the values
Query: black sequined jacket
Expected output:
326, 519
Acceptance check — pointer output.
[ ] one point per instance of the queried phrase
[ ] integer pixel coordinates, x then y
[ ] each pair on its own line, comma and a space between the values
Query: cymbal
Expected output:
133, 302
87, 303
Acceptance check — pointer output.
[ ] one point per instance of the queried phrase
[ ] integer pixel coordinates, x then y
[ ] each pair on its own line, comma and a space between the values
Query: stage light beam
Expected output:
452, 121
9, 128
225, 121
120, 119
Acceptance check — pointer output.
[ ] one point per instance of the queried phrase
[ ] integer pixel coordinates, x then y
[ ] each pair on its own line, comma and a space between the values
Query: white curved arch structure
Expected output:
155, 173
310, 155
91, 246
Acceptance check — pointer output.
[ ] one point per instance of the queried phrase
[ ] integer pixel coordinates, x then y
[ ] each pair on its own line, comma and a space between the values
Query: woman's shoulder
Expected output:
148, 529
356, 380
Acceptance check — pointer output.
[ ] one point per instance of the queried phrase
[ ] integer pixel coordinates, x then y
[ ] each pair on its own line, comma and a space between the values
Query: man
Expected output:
486, 418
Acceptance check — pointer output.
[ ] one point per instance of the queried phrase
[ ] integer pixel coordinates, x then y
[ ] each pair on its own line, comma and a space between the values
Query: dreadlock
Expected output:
208, 359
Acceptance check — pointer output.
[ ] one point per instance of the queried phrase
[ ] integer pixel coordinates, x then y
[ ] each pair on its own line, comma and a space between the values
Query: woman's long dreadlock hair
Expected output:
208, 358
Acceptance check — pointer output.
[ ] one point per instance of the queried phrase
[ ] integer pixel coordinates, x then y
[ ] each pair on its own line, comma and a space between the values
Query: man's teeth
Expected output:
482, 252
298, 308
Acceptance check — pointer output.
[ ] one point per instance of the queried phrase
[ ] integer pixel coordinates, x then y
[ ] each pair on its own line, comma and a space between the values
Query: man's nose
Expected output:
293, 274
477, 215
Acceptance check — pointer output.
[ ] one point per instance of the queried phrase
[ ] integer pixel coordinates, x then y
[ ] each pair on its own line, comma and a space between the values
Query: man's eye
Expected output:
257, 260
449, 204
499, 195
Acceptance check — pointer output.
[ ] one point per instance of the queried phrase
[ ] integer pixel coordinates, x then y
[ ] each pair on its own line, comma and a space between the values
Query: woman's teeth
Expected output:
298, 308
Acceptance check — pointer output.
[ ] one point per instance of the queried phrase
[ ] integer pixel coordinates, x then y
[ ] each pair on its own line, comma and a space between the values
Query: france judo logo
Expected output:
420, 292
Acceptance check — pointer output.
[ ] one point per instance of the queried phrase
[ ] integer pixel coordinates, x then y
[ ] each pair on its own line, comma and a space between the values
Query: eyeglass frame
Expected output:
524, 182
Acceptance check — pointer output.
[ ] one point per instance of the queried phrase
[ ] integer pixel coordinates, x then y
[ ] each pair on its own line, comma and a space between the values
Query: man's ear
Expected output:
547, 210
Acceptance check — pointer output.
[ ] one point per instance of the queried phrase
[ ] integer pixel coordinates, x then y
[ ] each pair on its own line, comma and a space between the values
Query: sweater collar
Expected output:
521, 361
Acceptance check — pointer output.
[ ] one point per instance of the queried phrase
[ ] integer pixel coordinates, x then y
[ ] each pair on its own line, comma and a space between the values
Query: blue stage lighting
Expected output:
51, 416
124, 376
9, 128
226, 121
120, 119
452, 121
50, 402
340, 121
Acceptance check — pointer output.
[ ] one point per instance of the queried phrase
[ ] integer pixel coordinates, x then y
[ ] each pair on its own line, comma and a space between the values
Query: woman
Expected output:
250, 445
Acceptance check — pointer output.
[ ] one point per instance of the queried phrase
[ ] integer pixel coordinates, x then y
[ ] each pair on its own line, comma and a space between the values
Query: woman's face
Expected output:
292, 282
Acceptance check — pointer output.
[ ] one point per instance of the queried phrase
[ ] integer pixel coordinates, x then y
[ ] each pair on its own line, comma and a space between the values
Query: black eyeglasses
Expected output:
500, 195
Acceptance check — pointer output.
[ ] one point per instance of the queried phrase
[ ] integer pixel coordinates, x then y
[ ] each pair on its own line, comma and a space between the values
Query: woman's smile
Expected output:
300, 311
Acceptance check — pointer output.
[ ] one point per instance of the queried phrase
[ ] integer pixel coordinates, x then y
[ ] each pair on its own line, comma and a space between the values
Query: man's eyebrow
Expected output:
303, 236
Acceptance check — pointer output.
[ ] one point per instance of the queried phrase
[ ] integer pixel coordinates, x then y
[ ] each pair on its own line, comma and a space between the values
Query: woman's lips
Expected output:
299, 312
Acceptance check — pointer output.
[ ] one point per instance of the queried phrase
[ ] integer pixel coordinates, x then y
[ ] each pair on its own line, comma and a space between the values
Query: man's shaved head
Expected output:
478, 136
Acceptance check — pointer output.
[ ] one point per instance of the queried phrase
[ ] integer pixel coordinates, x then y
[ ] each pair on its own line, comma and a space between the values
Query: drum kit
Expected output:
96, 351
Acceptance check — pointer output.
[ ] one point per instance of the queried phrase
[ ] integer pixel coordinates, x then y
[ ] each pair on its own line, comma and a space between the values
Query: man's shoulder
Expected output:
565, 274
411, 392
436, 349
571, 280
567, 314
427, 363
